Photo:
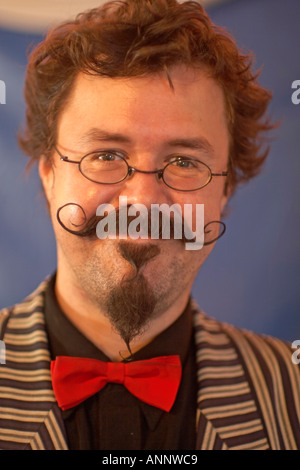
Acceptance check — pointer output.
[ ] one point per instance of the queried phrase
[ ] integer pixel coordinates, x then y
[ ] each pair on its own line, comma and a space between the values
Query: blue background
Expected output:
252, 278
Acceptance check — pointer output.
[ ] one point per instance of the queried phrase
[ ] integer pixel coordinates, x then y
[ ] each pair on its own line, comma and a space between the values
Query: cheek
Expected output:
210, 197
78, 191
200, 209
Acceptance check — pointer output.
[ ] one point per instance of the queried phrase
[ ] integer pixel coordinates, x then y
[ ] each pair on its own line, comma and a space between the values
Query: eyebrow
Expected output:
95, 135
193, 143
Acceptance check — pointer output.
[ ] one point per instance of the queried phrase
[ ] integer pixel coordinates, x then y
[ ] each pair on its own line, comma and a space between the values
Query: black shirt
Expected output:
113, 419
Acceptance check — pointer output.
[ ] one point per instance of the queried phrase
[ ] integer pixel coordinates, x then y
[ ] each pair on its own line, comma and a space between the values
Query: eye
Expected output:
104, 166
105, 156
184, 162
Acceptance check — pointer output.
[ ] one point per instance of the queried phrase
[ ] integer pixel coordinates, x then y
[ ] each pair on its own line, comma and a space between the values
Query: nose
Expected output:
145, 187
157, 173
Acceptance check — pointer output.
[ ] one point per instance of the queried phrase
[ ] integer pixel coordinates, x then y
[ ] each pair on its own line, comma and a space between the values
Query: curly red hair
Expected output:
140, 37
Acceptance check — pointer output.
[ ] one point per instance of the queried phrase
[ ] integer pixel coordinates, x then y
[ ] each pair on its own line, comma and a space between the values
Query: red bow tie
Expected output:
154, 381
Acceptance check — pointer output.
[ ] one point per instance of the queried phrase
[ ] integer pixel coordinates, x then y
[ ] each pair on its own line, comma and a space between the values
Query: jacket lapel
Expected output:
28, 404
228, 417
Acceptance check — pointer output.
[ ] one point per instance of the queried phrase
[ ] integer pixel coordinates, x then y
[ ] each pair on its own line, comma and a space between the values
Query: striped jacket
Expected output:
248, 387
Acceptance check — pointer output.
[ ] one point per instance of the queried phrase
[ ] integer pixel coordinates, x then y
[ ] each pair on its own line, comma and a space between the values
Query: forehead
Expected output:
146, 108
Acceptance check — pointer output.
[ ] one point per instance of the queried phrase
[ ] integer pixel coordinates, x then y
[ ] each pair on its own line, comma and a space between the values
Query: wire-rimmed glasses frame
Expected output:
131, 170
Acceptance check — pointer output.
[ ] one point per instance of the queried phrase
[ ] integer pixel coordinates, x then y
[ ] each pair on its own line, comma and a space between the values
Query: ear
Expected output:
46, 172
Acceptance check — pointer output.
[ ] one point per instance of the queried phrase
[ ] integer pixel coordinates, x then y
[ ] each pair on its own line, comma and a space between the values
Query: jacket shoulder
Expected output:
30, 307
252, 347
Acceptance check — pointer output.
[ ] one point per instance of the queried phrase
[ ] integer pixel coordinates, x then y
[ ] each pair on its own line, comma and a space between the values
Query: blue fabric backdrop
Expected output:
252, 278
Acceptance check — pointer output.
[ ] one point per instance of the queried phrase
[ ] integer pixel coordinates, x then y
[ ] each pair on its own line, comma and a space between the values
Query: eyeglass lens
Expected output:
107, 168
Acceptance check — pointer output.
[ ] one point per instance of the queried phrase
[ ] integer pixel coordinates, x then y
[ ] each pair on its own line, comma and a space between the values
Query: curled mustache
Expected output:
88, 229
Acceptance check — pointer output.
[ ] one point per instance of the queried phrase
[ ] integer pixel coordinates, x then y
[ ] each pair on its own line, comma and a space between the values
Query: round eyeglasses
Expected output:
180, 173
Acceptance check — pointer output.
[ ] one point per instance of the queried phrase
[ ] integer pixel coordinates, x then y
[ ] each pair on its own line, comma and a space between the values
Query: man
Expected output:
135, 104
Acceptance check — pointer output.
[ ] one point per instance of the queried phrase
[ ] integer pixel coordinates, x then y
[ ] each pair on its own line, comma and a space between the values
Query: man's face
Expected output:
147, 122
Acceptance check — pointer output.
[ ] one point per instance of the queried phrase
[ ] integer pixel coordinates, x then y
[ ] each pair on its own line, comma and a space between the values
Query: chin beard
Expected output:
130, 305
